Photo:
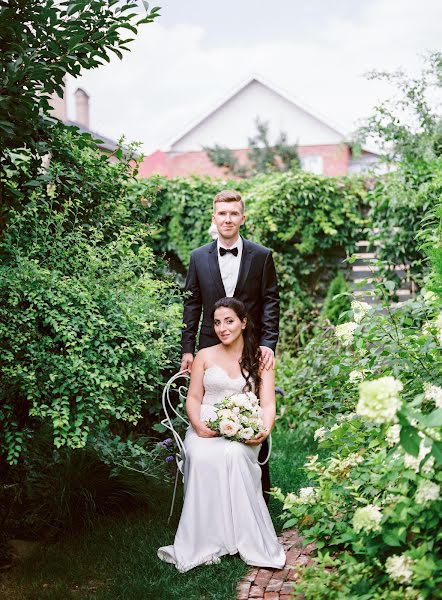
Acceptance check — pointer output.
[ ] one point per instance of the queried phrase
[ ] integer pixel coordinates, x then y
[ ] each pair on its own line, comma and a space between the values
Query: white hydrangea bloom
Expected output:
306, 492
360, 309
319, 434
429, 297
345, 332
379, 399
393, 435
356, 376
399, 568
367, 519
427, 491
434, 392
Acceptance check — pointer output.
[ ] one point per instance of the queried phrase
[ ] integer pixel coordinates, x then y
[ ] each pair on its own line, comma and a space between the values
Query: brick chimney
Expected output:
82, 107
58, 104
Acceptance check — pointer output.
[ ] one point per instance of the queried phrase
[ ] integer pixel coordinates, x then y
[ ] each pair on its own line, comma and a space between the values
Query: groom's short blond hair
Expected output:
228, 196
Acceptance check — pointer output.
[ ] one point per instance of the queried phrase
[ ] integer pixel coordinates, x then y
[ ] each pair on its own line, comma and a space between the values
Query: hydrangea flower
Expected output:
345, 332
427, 491
434, 392
307, 494
319, 434
399, 567
360, 309
367, 519
356, 376
393, 434
379, 399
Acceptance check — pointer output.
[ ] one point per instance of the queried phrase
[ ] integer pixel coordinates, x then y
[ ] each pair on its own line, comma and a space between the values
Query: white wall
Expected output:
233, 123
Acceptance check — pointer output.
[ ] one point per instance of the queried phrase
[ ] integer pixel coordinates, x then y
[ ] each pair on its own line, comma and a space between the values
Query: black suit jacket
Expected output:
256, 287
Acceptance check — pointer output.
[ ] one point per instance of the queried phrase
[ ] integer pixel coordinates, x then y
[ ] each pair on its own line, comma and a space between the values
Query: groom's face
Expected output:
228, 218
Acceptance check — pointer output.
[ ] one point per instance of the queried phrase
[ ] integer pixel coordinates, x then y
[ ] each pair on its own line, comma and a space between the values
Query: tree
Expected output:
263, 157
408, 125
42, 41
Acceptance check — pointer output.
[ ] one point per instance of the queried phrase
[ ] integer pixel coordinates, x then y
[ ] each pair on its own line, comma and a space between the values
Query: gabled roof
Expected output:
237, 90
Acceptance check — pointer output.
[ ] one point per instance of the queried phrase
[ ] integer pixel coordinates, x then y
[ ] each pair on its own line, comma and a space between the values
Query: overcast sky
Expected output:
199, 50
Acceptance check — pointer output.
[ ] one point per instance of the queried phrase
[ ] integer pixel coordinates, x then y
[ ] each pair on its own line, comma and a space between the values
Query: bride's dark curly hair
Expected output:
251, 354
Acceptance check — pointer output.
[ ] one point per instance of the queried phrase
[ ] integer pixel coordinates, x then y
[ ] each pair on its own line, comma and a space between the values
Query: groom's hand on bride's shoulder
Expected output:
186, 362
267, 358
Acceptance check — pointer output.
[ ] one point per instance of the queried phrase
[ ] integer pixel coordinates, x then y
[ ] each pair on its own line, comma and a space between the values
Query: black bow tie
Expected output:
223, 251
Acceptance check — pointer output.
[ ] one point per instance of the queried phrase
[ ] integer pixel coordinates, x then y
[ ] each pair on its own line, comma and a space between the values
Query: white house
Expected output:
322, 146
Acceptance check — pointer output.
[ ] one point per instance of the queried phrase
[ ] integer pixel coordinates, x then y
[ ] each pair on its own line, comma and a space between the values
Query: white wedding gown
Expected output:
224, 511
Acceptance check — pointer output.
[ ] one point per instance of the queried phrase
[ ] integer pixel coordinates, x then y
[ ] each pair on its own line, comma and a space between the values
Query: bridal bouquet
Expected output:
238, 417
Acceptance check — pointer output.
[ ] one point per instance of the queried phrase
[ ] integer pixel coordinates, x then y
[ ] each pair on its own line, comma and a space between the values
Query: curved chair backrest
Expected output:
171, 412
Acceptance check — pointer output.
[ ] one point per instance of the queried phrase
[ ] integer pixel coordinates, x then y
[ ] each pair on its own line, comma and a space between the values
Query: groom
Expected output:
231, 266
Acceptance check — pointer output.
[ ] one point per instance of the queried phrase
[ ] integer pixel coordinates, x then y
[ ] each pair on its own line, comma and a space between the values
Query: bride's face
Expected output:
228, 326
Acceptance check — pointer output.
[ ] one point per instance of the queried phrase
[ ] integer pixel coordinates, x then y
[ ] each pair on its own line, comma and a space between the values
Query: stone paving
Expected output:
270, 584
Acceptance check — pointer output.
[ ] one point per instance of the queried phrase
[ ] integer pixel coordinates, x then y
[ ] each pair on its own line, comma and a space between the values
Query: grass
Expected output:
117, 559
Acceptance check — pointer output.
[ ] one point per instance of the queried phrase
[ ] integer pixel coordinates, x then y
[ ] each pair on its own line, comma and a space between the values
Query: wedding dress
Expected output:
224, 511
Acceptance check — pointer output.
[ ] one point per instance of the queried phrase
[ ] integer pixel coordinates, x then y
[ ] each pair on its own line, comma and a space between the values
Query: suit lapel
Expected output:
214, 270
246, 261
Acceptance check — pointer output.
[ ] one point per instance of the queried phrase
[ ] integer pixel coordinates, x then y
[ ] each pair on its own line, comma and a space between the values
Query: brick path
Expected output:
277, 585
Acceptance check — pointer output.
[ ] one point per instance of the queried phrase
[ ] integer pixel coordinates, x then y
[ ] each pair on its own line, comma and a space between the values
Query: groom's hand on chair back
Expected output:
186, 362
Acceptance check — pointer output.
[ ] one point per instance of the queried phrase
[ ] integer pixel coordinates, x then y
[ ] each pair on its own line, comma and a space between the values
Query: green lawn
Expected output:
117, 560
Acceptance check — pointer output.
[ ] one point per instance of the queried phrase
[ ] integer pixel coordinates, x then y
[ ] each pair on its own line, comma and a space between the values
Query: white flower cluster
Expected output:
319, 434
393, 435
342, 467
434, 392
399, 567
427, 491
356, 376
367, 518
360, 309
238, 417
379, 399
345, 332
306, 495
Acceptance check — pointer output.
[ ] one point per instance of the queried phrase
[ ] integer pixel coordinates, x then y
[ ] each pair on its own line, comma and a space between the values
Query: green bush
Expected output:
310, 222
333, 308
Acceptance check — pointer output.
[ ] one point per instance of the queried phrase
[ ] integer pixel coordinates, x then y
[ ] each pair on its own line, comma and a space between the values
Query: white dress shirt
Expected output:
229, 267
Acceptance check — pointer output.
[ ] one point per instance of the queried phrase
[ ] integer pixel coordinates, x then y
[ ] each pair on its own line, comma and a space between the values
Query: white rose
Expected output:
228, 427
246, 433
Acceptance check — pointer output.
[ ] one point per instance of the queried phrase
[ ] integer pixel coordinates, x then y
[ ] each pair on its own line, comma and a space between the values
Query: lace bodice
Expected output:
218, 385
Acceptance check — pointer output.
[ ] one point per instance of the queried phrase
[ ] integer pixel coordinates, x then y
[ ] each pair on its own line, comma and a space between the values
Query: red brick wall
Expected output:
335, 157
335, 162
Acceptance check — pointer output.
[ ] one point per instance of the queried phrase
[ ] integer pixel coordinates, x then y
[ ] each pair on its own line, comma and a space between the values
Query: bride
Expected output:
224, 511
